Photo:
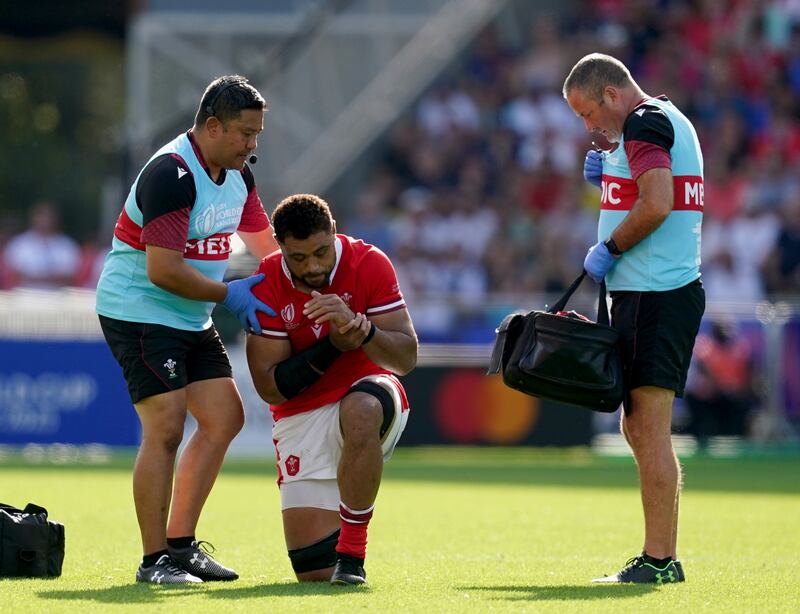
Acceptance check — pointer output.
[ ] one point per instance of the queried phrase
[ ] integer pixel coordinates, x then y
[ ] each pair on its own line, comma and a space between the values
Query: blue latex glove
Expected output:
243, 303
593, 167
598, 261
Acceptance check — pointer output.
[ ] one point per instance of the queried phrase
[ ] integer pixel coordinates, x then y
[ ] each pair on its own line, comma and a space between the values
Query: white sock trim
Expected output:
352, 511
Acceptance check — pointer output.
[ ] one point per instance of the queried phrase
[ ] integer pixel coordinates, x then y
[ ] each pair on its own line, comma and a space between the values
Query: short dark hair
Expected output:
594, 72
226, 97
301, 215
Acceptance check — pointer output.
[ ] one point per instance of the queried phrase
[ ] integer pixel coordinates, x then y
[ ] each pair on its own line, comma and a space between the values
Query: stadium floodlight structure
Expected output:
335, 74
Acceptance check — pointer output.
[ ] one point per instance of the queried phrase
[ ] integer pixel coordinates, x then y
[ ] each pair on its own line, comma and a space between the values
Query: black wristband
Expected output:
300, 371
370, 334
612, 248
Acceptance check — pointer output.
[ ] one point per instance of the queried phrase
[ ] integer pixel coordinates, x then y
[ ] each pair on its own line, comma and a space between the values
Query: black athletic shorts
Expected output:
156, 358
657, 332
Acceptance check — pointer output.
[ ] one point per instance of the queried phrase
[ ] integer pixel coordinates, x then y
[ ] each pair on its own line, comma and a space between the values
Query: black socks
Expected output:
180, 542
148, 560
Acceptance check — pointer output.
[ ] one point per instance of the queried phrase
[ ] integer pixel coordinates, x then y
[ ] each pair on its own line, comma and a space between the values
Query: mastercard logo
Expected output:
472, 408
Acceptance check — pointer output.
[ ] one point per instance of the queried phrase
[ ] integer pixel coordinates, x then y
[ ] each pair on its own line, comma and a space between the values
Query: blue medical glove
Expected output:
598, 261
243, 303
593, 167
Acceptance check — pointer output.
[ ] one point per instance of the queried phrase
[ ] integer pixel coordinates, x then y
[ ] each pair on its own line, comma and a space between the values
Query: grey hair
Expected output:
594, 72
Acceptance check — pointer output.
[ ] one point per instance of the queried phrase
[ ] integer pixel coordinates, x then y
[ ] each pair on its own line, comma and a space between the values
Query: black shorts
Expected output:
157, 359
657, 332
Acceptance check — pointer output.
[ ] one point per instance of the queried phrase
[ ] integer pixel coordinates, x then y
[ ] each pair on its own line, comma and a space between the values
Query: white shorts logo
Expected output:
170, 365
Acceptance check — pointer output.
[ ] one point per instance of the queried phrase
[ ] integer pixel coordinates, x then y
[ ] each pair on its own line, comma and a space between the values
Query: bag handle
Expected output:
496, 360
602, 309
31, 508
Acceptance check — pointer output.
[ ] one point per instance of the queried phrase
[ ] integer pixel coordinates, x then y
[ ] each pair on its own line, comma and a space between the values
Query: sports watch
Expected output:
612, 248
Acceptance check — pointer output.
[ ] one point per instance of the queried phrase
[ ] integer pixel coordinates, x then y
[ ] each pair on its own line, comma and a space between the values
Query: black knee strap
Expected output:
385, 398
319, 555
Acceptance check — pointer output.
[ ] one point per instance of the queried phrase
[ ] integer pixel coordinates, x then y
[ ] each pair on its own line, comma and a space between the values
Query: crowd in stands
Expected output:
479, 190
483, 179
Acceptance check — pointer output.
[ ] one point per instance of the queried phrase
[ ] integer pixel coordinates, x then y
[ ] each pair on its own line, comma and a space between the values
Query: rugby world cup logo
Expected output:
205, 222
170, 365
287, 313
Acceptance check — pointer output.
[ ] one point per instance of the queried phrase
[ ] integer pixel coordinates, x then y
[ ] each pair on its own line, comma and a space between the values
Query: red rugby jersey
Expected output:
365, 280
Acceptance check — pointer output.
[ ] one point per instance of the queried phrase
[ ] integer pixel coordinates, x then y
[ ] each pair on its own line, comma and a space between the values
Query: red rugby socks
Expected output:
353, 537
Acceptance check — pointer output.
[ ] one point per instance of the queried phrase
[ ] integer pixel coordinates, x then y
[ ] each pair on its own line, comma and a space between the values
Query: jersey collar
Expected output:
337, 245
646, 99
199, 155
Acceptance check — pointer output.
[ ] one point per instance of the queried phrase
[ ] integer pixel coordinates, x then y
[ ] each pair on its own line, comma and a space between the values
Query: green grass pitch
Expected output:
455, 530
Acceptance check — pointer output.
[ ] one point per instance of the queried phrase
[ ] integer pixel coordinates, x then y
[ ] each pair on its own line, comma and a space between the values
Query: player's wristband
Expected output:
298, 372
370, 334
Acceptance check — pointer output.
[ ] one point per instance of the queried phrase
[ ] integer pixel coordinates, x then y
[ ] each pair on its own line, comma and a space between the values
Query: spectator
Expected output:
782, 266
93, 256
735, 252
720, 391
543, 64
447, 109
370, 224
42, 256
